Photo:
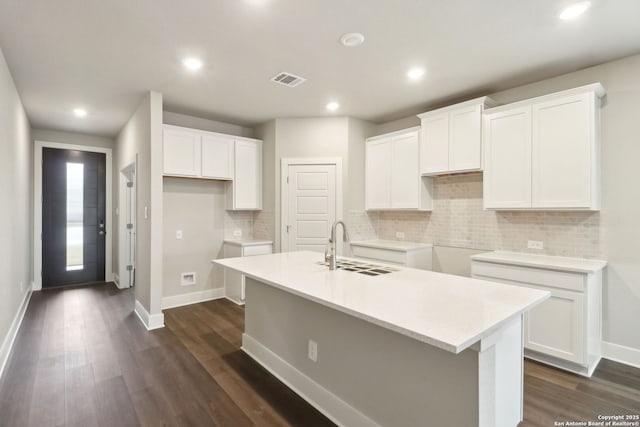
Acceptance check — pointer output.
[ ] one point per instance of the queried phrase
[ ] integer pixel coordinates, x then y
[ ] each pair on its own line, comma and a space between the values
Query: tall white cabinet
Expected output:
544, 153
245, 191
451, 140
392, 174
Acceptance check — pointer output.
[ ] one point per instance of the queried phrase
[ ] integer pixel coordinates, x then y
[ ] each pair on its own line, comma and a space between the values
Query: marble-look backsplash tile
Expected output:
238, 220
459, 220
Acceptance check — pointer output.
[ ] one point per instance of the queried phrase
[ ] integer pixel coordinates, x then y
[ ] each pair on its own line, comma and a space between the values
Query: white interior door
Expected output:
311, 200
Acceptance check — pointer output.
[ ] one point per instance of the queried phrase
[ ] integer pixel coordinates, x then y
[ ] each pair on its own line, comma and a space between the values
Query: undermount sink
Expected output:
361, 267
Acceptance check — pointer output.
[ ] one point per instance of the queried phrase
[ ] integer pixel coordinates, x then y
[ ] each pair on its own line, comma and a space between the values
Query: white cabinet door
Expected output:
217, 157
378, 174
556, 326
434, 152
405, 174
562, 151
465, 139
246, 189
181, 152
507, 176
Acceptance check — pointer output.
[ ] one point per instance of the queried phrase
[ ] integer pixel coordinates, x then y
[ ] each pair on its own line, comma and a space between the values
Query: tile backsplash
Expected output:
459, 220
238, 220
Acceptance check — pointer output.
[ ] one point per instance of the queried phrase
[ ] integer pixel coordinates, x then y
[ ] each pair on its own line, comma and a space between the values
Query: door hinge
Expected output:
288, 227
130, 184
129, 226
129, 267
287, 180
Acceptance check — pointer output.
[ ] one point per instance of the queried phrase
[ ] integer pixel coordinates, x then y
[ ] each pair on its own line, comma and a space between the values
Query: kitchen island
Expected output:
405, 347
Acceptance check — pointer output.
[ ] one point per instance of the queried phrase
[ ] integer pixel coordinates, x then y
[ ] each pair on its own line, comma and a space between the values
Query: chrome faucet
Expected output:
330, 252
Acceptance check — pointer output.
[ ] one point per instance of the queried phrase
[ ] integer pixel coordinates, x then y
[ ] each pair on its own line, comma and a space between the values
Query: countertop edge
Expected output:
512, 258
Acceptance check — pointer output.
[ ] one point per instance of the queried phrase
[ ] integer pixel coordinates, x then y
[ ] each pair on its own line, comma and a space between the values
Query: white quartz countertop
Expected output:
449, 312
579, 265
248, 242
392, 245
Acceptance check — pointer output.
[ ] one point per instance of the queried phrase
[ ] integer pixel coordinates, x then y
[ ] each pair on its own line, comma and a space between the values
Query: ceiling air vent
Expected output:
288, 79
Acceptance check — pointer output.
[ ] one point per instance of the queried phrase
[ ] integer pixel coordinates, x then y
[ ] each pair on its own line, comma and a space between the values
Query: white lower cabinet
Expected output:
565, 330
408, 254
234, 281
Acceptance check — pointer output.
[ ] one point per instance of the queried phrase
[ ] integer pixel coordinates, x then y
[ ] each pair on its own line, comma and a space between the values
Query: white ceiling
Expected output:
105, 54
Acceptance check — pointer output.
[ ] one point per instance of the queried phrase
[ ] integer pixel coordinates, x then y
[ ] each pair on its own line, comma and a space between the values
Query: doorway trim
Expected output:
126, 252
37, 206
284, 192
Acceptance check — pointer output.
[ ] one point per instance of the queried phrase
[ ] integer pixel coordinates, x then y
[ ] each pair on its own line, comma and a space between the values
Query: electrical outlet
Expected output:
535, 244
178, 234
313, 350
399, 235
237, 233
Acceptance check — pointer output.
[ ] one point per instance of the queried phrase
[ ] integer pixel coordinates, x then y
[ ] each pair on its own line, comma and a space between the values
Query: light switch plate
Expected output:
178, 234
399, 235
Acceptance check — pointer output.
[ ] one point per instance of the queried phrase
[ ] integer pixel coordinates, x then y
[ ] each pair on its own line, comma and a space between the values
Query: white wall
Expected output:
72, 138
308, 138
184, 120
196, 207
141, 139
16, 193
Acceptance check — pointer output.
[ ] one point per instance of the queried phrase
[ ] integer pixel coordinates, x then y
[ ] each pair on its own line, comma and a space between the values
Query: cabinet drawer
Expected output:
532, 275
256, 250
379, 254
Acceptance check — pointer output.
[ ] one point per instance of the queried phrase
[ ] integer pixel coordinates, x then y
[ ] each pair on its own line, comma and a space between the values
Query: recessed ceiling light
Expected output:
192, 64
79, 112
352, 39
333, 106
574, 10
415, 73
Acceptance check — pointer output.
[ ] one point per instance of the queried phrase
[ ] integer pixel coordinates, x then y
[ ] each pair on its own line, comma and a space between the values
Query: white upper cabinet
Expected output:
565, 152
181, 152
544, 153
392, 175
208, 155
197, 154
507, 172
217, 157
452, 138
245, 191
378, 174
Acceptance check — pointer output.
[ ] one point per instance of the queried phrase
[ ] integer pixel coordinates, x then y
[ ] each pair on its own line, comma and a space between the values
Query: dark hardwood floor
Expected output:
82, 358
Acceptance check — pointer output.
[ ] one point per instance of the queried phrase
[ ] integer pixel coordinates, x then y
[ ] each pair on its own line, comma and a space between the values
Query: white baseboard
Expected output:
619, 353
116, 279
150, 321
192, 298
320, 398
10, 338
36, 286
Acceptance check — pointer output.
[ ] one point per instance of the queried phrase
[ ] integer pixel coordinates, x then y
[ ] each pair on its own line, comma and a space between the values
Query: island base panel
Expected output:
366, 375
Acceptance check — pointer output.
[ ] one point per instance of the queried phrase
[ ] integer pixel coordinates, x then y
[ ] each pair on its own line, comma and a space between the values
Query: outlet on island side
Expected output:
313, 350
535, 244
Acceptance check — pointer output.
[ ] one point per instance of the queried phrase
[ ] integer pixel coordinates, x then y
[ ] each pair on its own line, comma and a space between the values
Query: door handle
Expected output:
102, 232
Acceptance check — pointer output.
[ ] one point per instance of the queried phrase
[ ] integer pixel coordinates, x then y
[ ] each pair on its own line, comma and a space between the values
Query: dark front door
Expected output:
73, 217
